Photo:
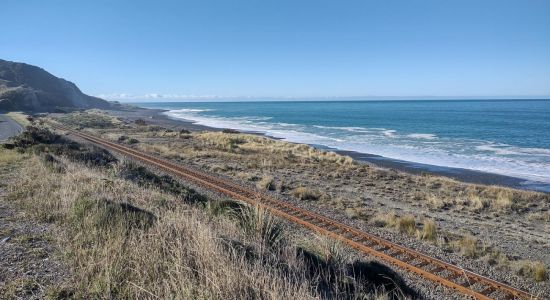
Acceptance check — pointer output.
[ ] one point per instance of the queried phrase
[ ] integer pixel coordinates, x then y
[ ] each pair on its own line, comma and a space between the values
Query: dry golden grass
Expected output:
469, 246
447, 193
125, 240
278, 151
266, 183
406, 224
435, 201
9, 156
384, 220
181, 256
504, 200
477, 203
305, 193
429, 230
533, 269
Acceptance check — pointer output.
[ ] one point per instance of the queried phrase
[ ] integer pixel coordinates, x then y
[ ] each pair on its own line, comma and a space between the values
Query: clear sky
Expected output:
293, 48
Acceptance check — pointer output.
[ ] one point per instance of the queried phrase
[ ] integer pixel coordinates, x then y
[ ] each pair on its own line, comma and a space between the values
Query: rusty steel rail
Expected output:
433, 269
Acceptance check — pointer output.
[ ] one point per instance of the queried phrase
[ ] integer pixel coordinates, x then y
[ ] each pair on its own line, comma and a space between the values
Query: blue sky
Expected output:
286, 48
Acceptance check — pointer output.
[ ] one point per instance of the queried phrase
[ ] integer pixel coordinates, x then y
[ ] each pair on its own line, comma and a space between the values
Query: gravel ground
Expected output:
29, 266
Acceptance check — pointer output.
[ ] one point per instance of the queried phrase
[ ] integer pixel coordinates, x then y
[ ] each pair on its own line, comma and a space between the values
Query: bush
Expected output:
33, 136
104, 214
140, 122
233, 131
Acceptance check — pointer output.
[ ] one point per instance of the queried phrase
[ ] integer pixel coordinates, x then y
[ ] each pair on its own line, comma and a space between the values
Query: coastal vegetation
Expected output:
127, 232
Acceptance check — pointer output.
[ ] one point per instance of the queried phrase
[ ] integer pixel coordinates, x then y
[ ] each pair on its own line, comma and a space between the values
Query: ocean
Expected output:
506, 137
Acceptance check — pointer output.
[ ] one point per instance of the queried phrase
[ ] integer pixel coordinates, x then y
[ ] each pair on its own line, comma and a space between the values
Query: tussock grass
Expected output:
435, 201
257, 223
504, 200
384, 220
305, 193
266, 183
533, 269
406, 224
469, 246
429, 231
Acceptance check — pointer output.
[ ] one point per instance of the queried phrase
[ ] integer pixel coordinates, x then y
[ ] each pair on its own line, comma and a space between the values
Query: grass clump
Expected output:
429, 231
435, 201
503, 201
477, 203
406, 224
258, 223
266, 183
469, 246
222, 141
305, 193
532, 269
384, 220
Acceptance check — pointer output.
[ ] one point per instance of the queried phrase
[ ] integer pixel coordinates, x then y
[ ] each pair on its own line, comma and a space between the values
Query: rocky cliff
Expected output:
30, 88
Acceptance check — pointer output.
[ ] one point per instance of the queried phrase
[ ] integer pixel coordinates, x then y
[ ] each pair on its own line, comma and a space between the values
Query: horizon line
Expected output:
174, 98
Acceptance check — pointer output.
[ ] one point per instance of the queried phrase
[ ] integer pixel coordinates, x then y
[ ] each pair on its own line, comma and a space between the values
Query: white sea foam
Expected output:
425, 136
187, 110
389, 132
528, 163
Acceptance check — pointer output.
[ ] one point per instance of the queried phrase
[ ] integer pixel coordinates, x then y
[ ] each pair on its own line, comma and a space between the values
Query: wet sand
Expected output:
157, 117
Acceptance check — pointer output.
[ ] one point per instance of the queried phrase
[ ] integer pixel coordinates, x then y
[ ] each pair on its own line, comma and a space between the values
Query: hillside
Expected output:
30, 88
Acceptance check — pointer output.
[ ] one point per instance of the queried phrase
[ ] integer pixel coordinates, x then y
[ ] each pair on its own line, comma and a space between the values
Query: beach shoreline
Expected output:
158, 117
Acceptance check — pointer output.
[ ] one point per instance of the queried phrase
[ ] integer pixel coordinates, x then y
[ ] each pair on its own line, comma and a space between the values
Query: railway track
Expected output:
435, 270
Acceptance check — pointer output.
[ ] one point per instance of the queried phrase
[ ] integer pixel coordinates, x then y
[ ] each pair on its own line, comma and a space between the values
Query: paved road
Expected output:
8, 128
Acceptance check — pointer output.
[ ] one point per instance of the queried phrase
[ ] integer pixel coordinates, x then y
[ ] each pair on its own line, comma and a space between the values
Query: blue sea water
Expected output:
507, 137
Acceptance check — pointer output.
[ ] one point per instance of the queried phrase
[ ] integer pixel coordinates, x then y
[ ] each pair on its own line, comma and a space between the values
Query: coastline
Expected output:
157, 117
